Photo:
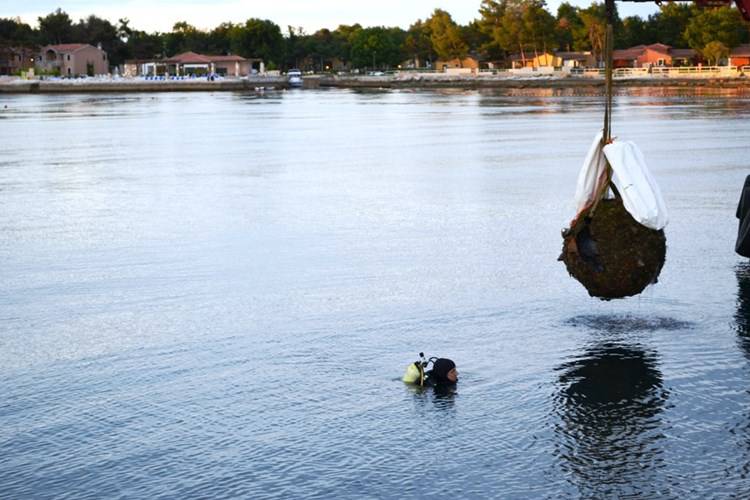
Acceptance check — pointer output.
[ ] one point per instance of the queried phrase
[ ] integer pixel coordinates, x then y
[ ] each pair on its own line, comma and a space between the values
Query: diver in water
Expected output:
442, 374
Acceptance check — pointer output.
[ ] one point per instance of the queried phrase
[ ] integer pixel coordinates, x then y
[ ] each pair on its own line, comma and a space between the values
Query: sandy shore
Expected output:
9, 85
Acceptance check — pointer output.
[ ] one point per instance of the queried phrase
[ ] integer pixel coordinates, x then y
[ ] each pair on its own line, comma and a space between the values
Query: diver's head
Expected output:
444, 371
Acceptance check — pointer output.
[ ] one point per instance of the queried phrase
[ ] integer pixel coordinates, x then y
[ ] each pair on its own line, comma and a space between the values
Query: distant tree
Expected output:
473, 35
97, 31
259, 38
634, 32
445, 36
219, 39
714, 52
491, 14
570, 32
525, 27
377, 47
594, 20
321, 49
668, 25
418, 45
185, 37
13, 32
344, 37
723, 25
142, 45
55, 28
540, 25
293, 50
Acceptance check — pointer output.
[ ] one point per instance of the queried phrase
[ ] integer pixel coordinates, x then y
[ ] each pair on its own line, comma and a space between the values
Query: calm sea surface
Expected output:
215, 295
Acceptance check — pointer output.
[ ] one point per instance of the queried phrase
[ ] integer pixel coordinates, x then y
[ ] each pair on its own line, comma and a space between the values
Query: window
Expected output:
68, 57
104, 57
660, 62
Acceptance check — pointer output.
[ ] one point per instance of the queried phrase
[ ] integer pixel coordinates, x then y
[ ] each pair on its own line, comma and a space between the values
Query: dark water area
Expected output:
215, 296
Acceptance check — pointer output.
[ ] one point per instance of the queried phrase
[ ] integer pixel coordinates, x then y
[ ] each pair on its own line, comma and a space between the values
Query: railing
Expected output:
593, 72
630, 72
664, 72
694, 71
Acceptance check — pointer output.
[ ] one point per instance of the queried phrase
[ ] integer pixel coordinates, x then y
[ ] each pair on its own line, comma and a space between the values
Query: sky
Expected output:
160, 15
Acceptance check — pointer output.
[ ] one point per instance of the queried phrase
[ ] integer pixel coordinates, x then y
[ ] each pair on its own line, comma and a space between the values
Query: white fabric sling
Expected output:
640, 193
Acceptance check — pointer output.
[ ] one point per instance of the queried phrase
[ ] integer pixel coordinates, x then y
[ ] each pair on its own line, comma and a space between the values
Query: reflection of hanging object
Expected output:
615, 245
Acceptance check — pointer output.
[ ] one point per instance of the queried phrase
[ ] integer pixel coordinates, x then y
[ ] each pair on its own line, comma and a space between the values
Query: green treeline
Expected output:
502, 27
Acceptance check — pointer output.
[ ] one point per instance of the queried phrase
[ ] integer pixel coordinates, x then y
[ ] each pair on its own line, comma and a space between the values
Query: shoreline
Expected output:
311, 82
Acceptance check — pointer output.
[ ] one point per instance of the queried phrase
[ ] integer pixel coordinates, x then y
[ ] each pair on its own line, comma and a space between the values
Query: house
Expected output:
552, 60
576, 59
471, 62
656, 54
740, 56
13, 60
73, 59
532, 60
232, 65
191, 63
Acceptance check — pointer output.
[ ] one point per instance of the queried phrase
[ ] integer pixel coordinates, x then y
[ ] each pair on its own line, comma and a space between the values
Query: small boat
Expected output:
294, 77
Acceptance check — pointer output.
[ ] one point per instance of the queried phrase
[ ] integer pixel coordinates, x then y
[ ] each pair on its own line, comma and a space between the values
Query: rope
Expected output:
609, 50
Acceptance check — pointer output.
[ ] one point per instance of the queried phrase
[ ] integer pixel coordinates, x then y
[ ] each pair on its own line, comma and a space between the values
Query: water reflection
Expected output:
742, 315
442, 398
608, 412
742, 326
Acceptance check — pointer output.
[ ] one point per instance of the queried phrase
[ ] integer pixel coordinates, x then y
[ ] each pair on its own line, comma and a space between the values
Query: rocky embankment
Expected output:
88, 85
436, 81
489, 82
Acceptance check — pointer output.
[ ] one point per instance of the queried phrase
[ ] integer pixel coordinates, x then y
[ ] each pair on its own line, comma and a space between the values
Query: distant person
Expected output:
442, 374
742, 246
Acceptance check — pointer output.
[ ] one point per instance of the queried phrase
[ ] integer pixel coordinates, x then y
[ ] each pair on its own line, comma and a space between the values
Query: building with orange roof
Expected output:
740, 56
73, 59
192, 63
656, 54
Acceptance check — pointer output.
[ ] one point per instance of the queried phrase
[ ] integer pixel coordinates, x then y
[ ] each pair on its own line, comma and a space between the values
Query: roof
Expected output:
529, 57
741, 51
578, 56
67, 47
192, 58
189, 58
229, 58
468, 56
659, 47
628, 54
683, 53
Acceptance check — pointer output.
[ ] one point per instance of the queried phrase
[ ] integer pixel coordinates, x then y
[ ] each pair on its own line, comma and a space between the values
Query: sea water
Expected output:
214, 295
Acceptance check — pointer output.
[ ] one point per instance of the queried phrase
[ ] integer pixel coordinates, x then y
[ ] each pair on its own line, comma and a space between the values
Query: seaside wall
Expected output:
362, 82
86, 86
